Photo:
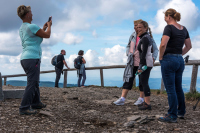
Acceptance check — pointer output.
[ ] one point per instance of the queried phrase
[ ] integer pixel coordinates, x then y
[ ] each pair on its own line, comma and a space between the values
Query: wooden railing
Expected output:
194, 63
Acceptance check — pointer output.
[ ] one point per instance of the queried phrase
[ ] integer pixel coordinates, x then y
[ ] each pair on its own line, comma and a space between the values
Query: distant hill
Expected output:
42, 83
154, 83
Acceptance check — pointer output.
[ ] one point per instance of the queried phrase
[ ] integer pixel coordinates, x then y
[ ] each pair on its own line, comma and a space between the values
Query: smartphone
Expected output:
50, 18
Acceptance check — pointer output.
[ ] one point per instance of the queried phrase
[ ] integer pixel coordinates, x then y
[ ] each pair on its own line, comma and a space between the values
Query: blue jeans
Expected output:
80, 77
172, 67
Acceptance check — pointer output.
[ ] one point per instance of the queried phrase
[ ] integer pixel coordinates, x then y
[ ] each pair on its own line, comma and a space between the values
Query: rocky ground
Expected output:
90, 110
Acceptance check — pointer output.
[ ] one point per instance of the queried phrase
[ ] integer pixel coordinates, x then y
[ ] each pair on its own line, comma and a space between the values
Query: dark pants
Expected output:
58, 73
80, 77
144, 82
32, 93
129, 85
172, 67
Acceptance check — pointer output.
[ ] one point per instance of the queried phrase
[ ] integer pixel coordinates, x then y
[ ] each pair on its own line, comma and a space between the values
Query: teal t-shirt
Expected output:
30, 41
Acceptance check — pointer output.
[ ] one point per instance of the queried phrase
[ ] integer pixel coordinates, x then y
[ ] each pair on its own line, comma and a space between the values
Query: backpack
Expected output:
77, 62
54, 60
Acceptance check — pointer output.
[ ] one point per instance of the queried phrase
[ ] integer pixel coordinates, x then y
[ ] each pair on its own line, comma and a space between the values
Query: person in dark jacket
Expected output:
172, 64
81, 71
59, 66
144, 48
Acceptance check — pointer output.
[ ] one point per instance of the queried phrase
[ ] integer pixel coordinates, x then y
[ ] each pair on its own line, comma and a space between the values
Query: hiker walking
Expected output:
60, 62
31, 37
172, 64
81, 69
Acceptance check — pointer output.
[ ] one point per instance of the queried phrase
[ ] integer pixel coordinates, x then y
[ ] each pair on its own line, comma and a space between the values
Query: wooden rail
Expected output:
194, 63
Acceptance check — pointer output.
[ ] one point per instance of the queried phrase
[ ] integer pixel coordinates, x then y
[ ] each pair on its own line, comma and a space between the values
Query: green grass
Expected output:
188, 96
192, 96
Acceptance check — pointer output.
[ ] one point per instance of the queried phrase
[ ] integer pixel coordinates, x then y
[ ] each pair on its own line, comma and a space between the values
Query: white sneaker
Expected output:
139, 101
119, 102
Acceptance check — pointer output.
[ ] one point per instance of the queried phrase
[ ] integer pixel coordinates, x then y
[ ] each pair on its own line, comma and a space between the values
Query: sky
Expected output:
99, 27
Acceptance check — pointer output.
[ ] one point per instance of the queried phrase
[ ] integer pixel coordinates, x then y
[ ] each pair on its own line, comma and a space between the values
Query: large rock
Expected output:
18, 93
133, 118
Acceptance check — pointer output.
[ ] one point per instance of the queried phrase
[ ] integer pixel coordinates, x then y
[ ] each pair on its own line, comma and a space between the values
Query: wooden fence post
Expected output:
101, 76
5, 78
1, 90
162, 88
194, 79
65, 80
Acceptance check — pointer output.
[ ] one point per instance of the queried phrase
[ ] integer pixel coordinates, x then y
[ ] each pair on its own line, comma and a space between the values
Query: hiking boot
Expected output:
145, 106
141, 104
180, 116
139, 101
168, 118
39, 106
119, 102
27, 112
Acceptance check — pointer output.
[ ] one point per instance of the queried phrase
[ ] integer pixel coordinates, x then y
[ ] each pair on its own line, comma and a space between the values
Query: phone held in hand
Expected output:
50, 18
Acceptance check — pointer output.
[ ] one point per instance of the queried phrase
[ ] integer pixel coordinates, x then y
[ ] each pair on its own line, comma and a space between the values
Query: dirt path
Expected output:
89, 110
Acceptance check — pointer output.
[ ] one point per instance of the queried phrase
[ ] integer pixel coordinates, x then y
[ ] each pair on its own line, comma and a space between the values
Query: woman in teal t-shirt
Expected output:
31, 37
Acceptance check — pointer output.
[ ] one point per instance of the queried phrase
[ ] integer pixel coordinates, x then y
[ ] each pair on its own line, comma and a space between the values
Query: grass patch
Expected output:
188, 96
192, 96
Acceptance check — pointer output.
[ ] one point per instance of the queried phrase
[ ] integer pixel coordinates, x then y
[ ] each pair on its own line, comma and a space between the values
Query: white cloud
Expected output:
10, 64
94, 34
10, 43
117, 10
190, 15
194, 53
79, 15
70, 60
72, 39
54, 39
161, 2
91, 57
113, 56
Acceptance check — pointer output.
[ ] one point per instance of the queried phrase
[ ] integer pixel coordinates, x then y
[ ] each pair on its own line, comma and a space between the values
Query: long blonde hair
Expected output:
23, 10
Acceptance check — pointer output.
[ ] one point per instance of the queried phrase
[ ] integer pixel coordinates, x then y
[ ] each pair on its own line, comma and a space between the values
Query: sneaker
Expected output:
180, 116
141, 104
145, 106
119, 102
168, 118
27, 112
39, 106
139, 101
